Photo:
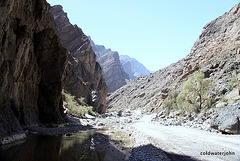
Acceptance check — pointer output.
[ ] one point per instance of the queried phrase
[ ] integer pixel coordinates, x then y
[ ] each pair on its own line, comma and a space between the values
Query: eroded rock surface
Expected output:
83, 74
113, 71
32, 63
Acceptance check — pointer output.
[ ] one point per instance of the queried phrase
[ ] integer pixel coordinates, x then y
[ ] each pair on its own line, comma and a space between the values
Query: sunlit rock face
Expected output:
113, 71
83, 75
32, 63
216, 53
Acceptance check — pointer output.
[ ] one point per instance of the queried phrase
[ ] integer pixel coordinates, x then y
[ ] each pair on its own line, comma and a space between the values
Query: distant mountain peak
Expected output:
113, 72
133, 67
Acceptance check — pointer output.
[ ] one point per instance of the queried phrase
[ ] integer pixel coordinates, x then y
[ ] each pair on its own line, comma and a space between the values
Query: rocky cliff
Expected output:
216, 53
113, 72
133, 67
32, 63
83, 74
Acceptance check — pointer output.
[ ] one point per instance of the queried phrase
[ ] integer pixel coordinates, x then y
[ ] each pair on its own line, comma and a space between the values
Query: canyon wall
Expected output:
83, 74
113, 72
32, 63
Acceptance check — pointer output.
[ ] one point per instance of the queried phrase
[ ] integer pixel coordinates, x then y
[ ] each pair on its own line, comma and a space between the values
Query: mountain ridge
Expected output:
113, 72
214, 53
83, 77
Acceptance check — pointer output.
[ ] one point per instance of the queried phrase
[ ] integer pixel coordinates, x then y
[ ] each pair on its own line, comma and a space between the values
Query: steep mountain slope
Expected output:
113, 72
83, 74
133, 67
32, 63
215, 53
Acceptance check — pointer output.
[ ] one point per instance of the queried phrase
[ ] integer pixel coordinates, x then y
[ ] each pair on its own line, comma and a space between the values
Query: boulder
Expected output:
227, 119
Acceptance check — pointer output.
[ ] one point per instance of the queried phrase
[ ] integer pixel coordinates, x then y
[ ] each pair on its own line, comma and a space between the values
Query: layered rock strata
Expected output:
113, 71
32, 63
83, 74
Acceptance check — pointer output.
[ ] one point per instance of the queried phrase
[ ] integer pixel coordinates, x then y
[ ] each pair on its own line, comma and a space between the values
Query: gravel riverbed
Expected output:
137, 137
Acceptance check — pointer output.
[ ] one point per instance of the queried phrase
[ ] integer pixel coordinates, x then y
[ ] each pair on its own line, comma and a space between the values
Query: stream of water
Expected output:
90, 145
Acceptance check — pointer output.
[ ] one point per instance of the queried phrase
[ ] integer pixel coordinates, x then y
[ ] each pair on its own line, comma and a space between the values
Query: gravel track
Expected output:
182, 143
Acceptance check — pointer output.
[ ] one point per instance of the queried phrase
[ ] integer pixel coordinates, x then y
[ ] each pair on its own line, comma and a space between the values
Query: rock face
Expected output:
83, 74
133, 67
113, 72
32, 63
227, 119
216, 53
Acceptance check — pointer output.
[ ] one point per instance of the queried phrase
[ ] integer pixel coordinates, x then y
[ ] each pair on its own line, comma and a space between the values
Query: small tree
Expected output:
194, 94
171, 101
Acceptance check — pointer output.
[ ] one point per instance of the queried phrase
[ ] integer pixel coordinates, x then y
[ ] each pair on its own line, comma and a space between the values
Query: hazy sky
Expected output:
155, 32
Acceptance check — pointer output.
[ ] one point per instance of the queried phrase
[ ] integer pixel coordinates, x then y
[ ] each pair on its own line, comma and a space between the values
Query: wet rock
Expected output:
10, 139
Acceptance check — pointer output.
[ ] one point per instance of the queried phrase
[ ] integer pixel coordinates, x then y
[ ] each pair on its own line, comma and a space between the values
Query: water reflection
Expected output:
86, 145
36, 148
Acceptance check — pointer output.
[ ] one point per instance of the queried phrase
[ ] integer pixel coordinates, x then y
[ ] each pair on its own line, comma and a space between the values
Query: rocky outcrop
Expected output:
32, 63
83, 74
113, 72
216, 53
133, 67
227, 119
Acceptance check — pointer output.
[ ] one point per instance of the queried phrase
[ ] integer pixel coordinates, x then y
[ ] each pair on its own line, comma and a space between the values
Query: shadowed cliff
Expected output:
32, 63
83, 74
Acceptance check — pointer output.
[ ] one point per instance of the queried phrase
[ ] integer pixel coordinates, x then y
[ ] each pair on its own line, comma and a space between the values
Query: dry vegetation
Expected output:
76, 106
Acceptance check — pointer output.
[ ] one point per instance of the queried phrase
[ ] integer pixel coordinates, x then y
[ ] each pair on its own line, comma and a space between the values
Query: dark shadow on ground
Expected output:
150, 152
177, 157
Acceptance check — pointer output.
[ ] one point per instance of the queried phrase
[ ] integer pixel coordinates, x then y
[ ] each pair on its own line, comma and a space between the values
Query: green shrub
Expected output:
171, 101
195, 92
77, 106
81, 101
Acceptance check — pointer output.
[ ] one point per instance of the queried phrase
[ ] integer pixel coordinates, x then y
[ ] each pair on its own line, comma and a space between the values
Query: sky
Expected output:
155, 32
